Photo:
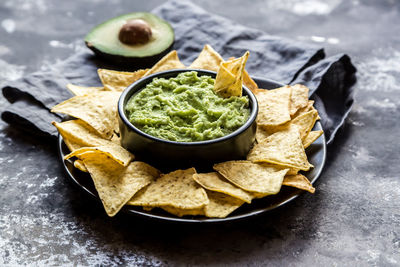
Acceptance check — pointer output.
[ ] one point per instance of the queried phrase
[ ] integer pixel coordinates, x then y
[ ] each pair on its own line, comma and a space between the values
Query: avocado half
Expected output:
104, 40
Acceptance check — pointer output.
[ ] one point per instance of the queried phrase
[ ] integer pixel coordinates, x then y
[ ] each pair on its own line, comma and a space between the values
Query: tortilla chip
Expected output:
311, 137
299, 181
261, 133
183, 212
283, 148
81, 138
215, 182
292, 171
273, 106
79, 134
221, 205
116, 139
82, 90
116, 184
80, 166
304, 122
313, 109
176, 189
305, 109
249, 82
168, 62
229, 80
71, 144
225, 79
99, 110
252, 177
299, 98
119, 80
115, 152
208, 59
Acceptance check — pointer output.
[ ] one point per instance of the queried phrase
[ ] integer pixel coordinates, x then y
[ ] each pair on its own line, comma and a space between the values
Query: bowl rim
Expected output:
145, 80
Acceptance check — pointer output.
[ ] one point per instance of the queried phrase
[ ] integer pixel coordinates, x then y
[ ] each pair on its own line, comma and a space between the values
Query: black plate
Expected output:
316, 156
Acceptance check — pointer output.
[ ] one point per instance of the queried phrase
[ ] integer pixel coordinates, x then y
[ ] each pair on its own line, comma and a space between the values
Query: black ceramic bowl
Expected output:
158, 151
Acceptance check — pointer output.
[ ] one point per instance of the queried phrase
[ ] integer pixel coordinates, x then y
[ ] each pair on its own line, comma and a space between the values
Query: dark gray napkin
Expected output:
271, 57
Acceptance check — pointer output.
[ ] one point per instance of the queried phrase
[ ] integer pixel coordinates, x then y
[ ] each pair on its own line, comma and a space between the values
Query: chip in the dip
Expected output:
229, 78
248, 81
186, 109
176, 189
209, 59
257, 178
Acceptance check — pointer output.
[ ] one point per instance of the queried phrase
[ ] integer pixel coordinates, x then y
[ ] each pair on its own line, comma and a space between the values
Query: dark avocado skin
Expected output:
139, 62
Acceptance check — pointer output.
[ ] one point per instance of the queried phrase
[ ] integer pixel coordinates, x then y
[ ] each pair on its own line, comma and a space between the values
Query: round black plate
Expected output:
316, 156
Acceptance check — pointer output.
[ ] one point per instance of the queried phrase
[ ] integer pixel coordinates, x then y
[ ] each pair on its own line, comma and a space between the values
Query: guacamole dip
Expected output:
186, 109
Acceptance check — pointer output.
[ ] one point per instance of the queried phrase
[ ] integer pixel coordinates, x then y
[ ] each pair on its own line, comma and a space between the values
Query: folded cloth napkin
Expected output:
283, 60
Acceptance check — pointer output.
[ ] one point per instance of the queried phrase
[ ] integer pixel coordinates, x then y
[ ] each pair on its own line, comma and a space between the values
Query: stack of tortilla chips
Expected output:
285, 120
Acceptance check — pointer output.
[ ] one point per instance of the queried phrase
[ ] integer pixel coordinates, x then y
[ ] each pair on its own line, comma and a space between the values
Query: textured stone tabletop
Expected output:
353, 219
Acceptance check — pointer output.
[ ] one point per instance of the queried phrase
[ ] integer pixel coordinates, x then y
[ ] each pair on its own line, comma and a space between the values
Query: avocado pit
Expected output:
135, 31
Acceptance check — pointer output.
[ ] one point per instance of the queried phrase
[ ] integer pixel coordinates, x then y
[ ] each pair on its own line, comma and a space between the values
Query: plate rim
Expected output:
156, 217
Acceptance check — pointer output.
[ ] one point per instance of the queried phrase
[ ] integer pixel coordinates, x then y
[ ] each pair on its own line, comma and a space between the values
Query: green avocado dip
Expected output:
186, 109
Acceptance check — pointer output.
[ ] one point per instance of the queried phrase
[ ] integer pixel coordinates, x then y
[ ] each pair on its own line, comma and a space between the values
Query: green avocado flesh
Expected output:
186, 109
104, 37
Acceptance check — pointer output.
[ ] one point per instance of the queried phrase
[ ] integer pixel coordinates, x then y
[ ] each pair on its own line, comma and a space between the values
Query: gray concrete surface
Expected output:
353, 219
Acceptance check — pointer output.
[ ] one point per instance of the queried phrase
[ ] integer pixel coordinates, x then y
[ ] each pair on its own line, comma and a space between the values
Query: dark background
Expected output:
352, 219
